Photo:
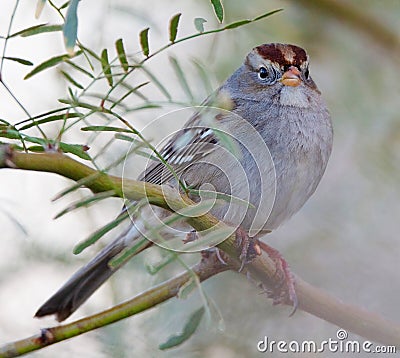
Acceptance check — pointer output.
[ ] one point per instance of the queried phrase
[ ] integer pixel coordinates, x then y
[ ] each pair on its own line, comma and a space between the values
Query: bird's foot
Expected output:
249, 247
285, 281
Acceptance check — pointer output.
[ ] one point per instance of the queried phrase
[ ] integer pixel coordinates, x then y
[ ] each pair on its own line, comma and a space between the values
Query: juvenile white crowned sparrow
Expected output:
274, 104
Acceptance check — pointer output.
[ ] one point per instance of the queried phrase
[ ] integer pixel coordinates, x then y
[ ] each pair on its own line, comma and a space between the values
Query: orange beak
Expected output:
291, 77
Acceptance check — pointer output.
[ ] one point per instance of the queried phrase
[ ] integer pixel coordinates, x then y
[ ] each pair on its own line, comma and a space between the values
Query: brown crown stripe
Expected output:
283, 54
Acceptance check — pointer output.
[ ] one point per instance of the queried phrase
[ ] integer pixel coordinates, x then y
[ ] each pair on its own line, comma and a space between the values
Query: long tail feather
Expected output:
83, 283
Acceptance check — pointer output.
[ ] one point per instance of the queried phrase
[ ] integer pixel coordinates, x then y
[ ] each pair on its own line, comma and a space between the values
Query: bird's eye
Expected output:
262, 73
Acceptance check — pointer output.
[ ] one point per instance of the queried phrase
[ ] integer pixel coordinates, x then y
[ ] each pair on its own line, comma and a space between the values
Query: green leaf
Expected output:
199, 24
37, 29
129, 92
206, 194
188, 330
104, 99
228, 143
124, 137
221, 29
41, 30
71, 80
42, 115
188, 287
63, 6
173, 27
155, 268
136, 151
19, 60
127, 254
86, 202
98, 234
146, 106
205, 77
27, 30
218, 9
106, 129
157, 83
237, 24
70, 29
181, 77
106, 67
138, 94
79, 68
122, 55
14, 134
74, 103
80, 183
144, 41
72, 95
49, 63
54, 118
90, 52
246, 21
267, 14
36, 148
5, 122
76, 149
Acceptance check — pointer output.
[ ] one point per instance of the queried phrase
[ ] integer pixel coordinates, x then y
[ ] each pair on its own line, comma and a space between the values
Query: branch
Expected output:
262, 268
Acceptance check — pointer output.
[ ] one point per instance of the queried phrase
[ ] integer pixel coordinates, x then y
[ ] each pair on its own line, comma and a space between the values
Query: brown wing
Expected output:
184, 148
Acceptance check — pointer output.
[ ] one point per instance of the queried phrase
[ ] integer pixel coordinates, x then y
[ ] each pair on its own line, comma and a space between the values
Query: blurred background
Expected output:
345, 239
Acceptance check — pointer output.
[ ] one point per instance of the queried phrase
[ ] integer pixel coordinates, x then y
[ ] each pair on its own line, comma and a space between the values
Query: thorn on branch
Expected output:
46, 337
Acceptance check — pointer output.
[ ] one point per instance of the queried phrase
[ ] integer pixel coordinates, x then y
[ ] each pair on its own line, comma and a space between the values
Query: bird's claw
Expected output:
249, 247
284, 288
